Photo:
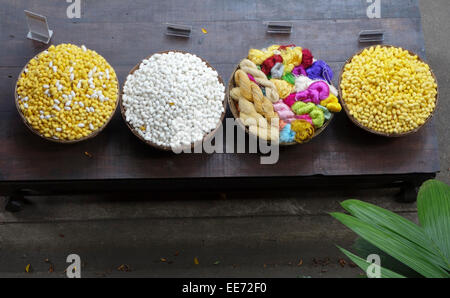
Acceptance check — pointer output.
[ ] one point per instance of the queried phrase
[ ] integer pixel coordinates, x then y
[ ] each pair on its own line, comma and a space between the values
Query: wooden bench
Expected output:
125, 32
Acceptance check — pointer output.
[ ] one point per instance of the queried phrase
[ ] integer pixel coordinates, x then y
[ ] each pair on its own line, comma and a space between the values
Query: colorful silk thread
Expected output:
319, 70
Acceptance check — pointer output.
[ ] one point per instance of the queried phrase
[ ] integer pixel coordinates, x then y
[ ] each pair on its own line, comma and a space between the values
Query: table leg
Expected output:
14, 203
410, 187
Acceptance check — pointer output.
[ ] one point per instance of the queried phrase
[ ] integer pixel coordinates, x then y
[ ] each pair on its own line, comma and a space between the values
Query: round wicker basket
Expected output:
206, 136
235, 112
90, 136
357, 123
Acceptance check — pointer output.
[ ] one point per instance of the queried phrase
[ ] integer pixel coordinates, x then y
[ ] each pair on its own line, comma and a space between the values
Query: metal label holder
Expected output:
280, 27
178, 30
368, 36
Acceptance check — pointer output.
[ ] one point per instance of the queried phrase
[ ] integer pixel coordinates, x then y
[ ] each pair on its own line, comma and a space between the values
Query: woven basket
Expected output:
357, 123
90, 136
235, 112
206, 136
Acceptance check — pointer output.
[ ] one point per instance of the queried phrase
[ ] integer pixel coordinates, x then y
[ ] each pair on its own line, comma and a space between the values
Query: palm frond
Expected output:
409, 253
363, 248
363, 264
433, 204
391, 222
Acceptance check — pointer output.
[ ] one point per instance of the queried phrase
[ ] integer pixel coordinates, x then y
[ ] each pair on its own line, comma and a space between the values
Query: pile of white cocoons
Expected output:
173, 99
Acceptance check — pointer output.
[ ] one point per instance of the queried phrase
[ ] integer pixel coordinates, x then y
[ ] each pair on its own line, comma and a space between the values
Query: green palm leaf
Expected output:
394, 223
363, 248
363, 264
433, 204
411, 254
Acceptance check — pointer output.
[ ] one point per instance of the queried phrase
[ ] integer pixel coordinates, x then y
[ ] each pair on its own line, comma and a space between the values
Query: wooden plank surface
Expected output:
164, 205
252, 234
126, 31
269, 247
113, 11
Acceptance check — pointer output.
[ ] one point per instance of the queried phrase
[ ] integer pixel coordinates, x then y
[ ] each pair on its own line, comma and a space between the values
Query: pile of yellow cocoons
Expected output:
388, 90
67, 92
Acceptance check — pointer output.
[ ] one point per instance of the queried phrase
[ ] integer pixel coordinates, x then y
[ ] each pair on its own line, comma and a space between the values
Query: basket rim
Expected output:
234, 111
206, 136
62, 141
357, 123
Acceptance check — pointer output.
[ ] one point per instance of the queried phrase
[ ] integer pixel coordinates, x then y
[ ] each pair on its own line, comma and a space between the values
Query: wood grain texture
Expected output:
124, 32
113, 11
128, 43
196, 205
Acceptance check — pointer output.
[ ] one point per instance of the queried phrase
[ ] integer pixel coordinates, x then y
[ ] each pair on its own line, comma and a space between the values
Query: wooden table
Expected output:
125, 32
